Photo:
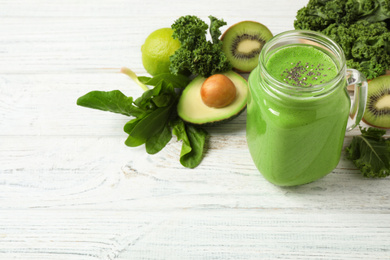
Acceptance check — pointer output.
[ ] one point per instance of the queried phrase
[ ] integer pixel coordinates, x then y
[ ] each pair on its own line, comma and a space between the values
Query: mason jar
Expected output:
299, 108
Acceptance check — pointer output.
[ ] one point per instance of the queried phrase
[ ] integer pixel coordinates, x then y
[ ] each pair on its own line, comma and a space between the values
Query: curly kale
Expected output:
189, 30
361, 27
196, 54
319, 14
215, 24
370, 152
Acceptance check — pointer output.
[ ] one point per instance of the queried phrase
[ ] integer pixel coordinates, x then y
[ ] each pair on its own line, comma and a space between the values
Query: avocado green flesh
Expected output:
192, 109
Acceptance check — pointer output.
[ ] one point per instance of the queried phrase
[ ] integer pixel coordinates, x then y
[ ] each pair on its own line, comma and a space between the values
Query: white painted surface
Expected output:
71, 189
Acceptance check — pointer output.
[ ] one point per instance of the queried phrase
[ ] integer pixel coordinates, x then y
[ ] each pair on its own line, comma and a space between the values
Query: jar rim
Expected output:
303, 37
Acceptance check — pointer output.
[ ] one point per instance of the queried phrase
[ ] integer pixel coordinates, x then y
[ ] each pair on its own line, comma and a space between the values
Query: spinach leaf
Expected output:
113, 101
158, 141
179, 80
131, 140
194, 140
143, 129
154, 116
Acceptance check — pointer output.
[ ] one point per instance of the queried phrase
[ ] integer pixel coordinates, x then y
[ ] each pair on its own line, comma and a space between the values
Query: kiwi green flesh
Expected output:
242, 44
377, 111
192, 109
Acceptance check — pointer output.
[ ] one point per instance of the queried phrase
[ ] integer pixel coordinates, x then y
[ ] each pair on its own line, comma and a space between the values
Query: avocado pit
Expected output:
218, 91
192, 109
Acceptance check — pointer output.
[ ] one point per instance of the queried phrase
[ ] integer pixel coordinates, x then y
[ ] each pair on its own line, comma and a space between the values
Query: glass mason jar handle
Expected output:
358, 104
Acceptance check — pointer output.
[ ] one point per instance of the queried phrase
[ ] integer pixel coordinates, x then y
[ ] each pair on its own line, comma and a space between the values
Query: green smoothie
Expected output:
296, 140
302, 66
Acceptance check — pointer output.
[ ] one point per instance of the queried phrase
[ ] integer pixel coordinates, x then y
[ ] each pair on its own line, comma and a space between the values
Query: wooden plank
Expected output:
192, 234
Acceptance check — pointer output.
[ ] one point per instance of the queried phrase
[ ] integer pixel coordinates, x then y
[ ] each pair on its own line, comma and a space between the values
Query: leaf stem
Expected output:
134, 77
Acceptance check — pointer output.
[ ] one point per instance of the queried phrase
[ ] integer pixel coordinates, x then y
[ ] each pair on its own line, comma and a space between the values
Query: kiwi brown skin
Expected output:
377, 89
244, 62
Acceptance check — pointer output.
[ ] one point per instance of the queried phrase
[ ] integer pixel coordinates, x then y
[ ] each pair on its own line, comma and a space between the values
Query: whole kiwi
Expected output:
377, 112
242, 43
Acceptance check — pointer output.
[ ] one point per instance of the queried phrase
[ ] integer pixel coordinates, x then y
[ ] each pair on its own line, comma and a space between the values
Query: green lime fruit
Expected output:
157, 49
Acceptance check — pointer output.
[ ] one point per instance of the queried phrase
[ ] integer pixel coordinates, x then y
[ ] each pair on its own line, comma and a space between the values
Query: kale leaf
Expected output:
197, 55
370, 152
361, 27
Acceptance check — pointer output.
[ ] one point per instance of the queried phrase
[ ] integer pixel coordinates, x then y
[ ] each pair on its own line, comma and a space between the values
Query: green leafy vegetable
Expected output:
113, 101
361, 27
193, 142
370, 152
154, 115
196, 54
215, 32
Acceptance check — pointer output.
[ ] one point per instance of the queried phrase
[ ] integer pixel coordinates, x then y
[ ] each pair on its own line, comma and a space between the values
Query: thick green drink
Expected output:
298, 107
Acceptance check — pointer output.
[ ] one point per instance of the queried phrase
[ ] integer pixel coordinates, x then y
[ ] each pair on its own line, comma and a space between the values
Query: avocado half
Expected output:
192, 109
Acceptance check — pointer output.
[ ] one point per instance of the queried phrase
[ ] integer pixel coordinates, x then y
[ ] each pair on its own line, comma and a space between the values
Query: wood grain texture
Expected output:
71, 189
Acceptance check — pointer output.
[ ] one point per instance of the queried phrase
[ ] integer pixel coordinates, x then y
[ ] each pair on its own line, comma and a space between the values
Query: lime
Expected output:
157, 49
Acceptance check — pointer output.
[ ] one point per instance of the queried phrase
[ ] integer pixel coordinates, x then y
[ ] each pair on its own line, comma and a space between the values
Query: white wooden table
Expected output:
71, 189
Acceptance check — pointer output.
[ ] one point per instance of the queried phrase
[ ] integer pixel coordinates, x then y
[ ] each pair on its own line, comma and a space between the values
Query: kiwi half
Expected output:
242, 43
378, 102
